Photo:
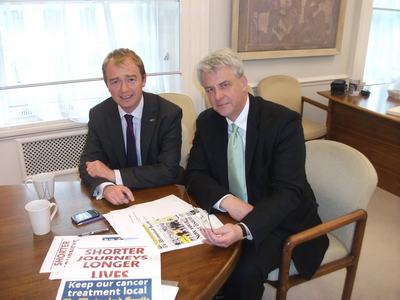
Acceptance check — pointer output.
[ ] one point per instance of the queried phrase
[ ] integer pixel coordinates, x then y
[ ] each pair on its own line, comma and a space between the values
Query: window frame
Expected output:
362, 39
194, 41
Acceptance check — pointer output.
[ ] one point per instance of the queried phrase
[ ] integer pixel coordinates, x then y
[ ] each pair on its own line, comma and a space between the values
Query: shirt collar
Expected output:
137, 113
241, 120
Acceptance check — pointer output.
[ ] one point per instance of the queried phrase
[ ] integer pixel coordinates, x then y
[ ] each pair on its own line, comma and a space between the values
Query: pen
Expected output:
94, 232
91, 220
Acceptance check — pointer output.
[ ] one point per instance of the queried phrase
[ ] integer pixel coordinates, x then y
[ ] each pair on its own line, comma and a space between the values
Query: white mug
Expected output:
354, 87
44, 185
39, 215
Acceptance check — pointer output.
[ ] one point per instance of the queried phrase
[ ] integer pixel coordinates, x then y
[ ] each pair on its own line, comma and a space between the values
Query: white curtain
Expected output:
383, 54
54, 50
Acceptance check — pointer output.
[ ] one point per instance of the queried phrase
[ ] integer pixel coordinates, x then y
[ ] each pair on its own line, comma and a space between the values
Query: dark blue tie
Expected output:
131, 155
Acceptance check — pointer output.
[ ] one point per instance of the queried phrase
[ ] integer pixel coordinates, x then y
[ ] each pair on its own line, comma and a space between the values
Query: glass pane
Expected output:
49, 103
58, 41
67, 101
50, 42
382, 64
388, 4
163, 84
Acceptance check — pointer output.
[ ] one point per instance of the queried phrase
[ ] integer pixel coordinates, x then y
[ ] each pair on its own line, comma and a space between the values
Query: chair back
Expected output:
342, 179
281, 89
189, 114
185, 148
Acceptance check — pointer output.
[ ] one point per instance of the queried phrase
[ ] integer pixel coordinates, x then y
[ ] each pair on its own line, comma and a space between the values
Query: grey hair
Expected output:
218, 59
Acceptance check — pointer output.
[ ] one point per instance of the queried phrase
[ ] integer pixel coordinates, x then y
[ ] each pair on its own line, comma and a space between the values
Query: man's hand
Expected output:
118, 194
223, 236
98, 169
236, 207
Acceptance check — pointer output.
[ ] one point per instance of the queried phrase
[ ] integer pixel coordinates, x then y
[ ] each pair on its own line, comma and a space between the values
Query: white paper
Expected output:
169, 292
103, 270
62, 249
169, 222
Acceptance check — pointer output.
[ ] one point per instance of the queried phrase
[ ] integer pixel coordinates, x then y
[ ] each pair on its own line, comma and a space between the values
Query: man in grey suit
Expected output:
157, 134
276, 200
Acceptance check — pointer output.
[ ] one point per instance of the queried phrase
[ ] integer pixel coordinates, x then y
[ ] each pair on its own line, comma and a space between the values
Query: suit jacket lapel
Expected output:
149, 121
219, 129
252, 133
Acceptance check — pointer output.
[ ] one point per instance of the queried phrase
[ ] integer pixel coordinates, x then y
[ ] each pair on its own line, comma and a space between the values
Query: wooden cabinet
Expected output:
361, 122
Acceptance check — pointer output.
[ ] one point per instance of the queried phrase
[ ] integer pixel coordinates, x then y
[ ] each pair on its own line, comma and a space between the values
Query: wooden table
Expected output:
362, 123
200, 270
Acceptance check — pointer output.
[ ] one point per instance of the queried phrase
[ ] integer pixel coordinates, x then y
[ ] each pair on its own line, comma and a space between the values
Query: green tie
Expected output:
236, 164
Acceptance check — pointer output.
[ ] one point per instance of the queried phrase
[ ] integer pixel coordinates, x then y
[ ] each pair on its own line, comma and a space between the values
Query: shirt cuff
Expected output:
249, 235
118, 178
216, 205
98, 192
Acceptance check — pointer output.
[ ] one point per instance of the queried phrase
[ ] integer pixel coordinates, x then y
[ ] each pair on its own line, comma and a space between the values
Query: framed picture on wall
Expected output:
287, 28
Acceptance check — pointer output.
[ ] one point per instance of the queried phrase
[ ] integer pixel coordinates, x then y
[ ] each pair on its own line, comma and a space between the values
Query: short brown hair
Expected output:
119, 56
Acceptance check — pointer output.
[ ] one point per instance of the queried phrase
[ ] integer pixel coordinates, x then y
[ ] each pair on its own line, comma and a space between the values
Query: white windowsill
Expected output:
19, 131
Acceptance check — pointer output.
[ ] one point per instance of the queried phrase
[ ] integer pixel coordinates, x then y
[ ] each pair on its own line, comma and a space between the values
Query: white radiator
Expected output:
57, 153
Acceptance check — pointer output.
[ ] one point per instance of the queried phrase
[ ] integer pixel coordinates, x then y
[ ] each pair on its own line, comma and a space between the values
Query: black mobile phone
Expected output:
85, 216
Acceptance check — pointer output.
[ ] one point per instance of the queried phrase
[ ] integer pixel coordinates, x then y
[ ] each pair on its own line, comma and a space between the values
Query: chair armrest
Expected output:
359, 216
315, 103
324, 228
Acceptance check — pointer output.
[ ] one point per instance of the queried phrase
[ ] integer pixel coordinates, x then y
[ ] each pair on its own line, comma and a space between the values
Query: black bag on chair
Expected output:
338, 87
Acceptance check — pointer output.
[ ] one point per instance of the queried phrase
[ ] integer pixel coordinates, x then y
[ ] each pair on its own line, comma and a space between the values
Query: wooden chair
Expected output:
286, 90
188, 122
185, 148
343, 181
189, 114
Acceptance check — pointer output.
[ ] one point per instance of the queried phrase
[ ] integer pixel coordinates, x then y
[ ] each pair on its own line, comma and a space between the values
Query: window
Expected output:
382, 63
51, 54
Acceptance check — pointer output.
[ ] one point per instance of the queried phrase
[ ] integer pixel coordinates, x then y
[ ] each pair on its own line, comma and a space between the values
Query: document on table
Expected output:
96, 267
169, 222
62, 249
118, 268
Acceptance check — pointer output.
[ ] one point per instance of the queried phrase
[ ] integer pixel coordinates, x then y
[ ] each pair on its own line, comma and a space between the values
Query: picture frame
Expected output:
287, 28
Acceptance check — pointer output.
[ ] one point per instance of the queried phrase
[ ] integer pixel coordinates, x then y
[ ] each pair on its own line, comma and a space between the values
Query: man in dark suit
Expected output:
157, 135
276, 201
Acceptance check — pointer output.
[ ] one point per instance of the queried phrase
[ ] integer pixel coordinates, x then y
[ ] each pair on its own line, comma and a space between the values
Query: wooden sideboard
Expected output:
362, 123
